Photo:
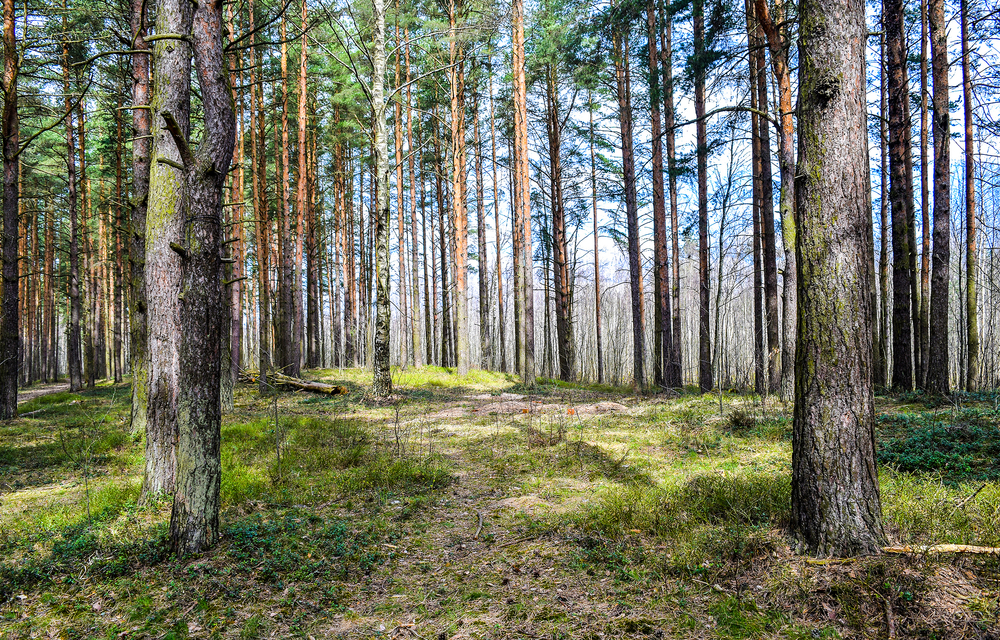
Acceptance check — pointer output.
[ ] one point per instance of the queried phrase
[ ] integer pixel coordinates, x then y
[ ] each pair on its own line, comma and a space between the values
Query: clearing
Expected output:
464, 508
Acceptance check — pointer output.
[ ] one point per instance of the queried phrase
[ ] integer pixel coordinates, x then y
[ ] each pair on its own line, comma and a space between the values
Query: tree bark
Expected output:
10, 131
194, 521
73, 355
971, 311
171, 88
836, 509
459, 209
937, 365
900, 194
624, 95
485, 341
382, 380
663, 336
704, 338
597, 252
925, 206
501, 342
523, 198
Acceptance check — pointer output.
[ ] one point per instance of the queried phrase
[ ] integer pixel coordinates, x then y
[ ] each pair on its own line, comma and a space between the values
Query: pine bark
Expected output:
704, 339
194, 520
836, 510
662, 333
10, 132
171, 88
73, 354
937, 365
624, 96
522, 200
900, 194
971, 277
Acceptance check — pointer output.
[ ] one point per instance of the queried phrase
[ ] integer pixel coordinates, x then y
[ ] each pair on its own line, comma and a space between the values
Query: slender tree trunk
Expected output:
900, 194
417, 352
164, 225
704, 340
937, 365
775, 28
760, 362
194, 521
485, 341
501, 341
836, 510
880, 372
73, 338
624, 96
522, 201
10, 131
404, 352
663, 347
303, 211
674, 372
925, 205
262, 223
382, 380
559, 249
597, 252
971, 278
456, 56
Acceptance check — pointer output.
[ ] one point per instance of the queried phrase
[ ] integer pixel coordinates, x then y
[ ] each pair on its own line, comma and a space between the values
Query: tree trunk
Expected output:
417, 354
73, 329
262, 223
194, 521
303, 212
560, 264
597, 251
925, 216
165, 225
522, 199
500, 341
971, 312
485, 342
836, 510
663, 337
775, 28
10, 131
460, 220
704, 340
900, 194
673, 374
382, 380
880, 368
937, 365
624, 96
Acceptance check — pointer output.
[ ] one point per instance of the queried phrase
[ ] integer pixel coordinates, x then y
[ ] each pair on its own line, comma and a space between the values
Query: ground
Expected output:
467, 508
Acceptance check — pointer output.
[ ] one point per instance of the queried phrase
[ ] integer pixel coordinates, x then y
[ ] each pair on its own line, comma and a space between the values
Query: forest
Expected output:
471, 319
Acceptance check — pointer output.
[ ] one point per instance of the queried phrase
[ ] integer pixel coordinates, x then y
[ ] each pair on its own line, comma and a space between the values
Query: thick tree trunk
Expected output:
194, 521
971, 312
900, 194
10, 132
165, 225
836, 509
937, 365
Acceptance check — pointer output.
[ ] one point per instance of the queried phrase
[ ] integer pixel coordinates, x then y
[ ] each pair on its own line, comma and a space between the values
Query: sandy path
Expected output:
23, 395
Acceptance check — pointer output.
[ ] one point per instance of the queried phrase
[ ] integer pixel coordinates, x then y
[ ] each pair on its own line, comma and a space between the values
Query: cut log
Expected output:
281, 380
944, 548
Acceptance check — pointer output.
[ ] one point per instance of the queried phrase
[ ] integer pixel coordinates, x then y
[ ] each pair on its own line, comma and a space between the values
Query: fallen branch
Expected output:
280, 379
944, 548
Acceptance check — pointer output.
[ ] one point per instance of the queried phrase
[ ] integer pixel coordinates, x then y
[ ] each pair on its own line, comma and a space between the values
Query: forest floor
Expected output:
463, 508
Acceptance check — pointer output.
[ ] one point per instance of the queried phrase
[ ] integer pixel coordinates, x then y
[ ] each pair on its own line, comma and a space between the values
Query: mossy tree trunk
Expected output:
836, 510
194, 521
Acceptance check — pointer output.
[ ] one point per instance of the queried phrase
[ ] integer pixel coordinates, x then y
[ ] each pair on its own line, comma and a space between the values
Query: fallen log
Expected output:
944, 548
280, 379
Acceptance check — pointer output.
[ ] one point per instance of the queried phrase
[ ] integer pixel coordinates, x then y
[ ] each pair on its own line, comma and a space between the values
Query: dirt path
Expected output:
23, 395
